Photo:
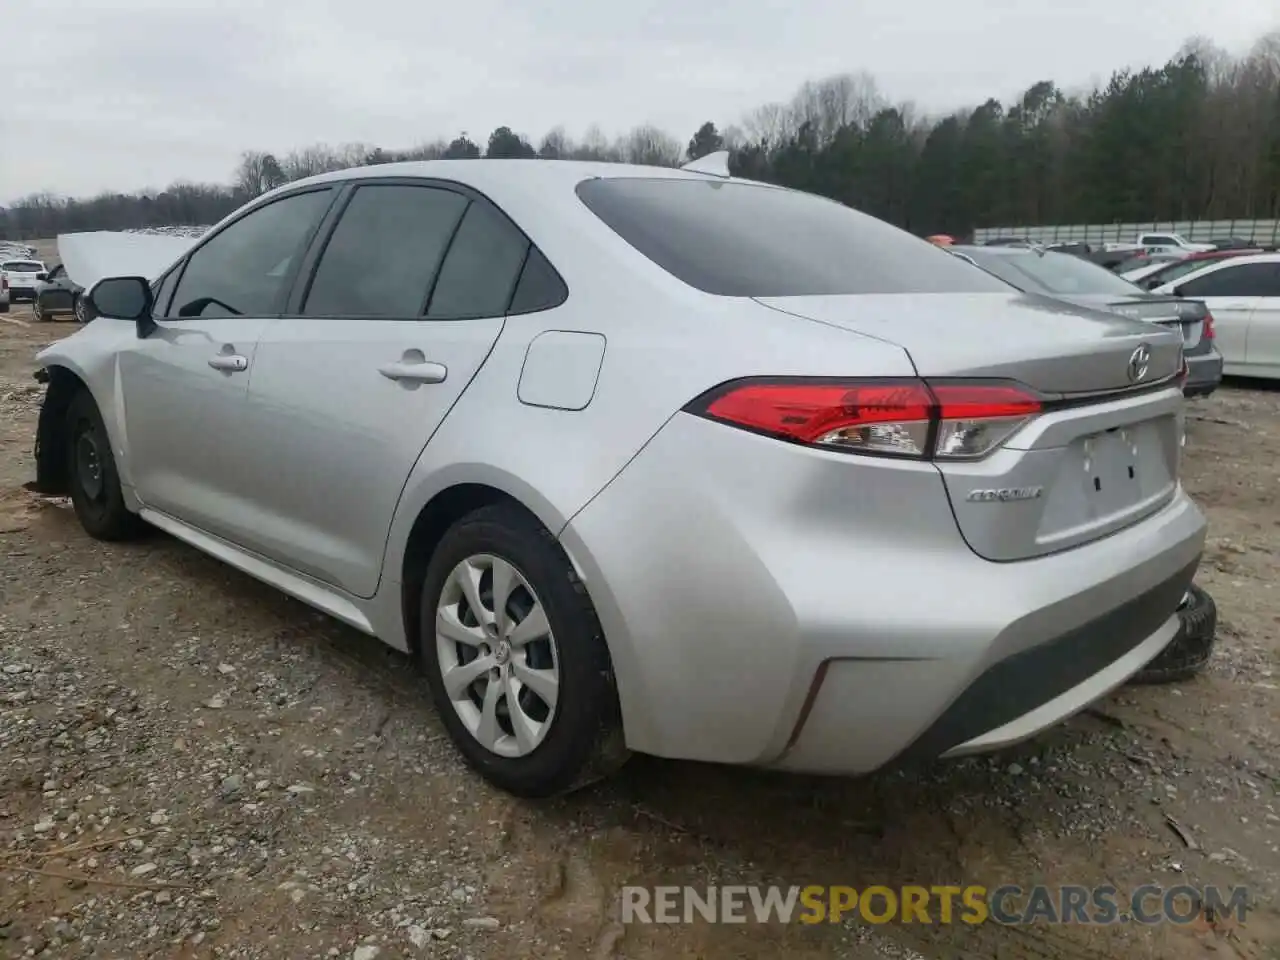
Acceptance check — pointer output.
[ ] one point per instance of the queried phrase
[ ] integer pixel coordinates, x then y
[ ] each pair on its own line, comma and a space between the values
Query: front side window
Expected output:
744, 240
162, 291
383, 255
244, 269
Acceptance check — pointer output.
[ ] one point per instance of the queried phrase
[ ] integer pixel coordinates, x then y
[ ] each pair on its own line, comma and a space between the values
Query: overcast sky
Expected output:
126, 94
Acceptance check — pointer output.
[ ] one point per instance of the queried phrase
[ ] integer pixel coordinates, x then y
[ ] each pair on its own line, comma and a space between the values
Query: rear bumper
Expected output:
1204, 374
777, 606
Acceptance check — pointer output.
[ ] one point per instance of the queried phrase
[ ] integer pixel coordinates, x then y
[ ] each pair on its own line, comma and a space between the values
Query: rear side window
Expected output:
1239, 280
743, 240
383, 255
540, 286
481, 268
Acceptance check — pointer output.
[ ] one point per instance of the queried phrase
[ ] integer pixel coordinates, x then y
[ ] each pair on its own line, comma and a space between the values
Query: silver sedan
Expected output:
638, 459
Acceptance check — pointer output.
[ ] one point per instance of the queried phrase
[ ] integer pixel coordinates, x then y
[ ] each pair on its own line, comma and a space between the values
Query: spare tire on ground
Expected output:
1189, 650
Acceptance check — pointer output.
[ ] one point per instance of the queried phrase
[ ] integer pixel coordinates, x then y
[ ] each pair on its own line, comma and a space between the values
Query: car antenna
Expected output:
714, 164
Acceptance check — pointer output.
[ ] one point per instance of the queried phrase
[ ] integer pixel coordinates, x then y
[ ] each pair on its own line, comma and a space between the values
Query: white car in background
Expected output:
1170, 242
23, 277
1243, 294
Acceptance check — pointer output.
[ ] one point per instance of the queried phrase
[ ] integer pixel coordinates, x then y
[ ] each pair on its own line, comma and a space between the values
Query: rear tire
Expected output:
565, 741
4, 307
1190, 649
95, 482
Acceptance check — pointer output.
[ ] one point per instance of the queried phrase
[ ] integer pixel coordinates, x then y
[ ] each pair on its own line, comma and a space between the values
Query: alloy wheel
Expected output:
497, 655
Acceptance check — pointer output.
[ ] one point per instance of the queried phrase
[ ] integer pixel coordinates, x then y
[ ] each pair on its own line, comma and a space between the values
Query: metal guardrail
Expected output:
1263, 233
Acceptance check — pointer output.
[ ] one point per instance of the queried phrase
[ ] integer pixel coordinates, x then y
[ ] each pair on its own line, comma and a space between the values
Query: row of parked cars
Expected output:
48, 290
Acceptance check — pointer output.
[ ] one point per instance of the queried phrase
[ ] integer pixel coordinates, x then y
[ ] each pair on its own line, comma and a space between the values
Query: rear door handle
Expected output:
424, 371
229, 361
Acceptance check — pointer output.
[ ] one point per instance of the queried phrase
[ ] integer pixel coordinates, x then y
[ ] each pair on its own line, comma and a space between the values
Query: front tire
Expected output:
95, 482
37, 312
78, 308
515, 658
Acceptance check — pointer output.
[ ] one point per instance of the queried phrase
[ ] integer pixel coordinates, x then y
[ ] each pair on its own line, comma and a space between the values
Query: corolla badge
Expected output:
1004, 494
1139, 362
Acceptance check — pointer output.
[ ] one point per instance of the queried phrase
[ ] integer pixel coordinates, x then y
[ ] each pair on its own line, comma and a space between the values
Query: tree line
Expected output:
1196, 138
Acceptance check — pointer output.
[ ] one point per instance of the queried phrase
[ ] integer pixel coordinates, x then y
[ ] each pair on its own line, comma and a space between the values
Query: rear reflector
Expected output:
947, 419
1206, 332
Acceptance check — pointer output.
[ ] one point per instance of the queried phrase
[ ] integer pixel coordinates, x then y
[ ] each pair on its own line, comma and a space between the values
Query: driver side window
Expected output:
245, 269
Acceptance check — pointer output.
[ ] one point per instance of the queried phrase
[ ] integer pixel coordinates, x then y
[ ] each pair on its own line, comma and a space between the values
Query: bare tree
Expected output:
648, 145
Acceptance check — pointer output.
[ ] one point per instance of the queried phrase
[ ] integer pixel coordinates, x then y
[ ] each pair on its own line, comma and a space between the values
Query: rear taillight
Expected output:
939, 419
1206, 332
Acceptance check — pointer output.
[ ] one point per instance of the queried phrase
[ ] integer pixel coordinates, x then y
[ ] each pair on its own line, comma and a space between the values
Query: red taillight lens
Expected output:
1206, 332
905, 418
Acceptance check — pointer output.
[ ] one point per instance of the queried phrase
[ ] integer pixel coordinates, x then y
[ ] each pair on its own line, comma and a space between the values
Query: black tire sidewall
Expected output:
586, 703
110, 519
1191, 648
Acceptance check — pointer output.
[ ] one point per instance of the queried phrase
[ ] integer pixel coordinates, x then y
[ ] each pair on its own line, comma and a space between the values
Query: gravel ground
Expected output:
192, 765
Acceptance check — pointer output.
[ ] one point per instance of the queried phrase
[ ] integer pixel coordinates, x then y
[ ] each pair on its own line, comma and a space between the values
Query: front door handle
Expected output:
231, 362
424, 371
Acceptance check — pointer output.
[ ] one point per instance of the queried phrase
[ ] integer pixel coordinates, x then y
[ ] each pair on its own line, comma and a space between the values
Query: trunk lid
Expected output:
1102, 456
1053, 346
1172, 313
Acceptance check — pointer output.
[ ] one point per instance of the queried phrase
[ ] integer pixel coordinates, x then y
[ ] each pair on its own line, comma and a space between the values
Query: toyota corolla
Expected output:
637, 459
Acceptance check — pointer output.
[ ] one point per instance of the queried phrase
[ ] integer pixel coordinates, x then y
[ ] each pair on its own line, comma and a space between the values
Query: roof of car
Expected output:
480, 173
1248, 258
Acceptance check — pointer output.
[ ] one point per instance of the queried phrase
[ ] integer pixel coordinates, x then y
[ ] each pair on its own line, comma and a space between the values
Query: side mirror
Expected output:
124, 298
42, 276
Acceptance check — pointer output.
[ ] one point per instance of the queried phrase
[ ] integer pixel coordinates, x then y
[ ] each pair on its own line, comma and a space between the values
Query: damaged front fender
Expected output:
53, 473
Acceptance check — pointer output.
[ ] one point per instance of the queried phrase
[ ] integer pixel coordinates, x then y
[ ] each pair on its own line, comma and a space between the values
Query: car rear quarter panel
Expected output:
665, 344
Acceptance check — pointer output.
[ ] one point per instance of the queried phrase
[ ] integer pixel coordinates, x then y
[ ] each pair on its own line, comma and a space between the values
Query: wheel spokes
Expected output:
458, 680
533, 626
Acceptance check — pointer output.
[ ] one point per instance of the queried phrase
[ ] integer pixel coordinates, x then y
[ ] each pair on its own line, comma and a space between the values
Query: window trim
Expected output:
239, 215
311, 260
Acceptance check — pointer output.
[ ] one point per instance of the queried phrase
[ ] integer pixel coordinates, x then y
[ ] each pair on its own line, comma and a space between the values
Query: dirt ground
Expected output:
273, 784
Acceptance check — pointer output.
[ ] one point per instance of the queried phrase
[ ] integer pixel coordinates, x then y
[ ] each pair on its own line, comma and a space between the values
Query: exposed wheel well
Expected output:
441, 512
52, 473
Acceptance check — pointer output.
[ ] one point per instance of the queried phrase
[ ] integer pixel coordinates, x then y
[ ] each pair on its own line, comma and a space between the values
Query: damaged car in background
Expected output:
756, 533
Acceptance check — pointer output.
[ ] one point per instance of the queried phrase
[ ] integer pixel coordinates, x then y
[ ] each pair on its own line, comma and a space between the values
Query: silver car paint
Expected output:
724, 566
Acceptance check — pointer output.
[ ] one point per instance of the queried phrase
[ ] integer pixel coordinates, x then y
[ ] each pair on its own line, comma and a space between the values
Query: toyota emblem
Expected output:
1139, 362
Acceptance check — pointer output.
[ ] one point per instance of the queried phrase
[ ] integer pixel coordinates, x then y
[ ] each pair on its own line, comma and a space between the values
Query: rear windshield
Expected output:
1054, 273
22, 266
745, 240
